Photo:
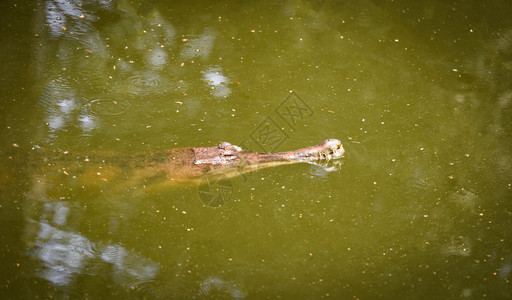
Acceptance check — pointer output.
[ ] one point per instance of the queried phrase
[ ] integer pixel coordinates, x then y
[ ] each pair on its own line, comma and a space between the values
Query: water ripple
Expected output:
109, 107
141, 82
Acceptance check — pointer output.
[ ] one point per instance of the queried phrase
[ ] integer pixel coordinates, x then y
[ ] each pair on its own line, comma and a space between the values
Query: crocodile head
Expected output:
224, 154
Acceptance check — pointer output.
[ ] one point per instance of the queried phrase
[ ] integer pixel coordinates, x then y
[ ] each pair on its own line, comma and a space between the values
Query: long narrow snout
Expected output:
327, 150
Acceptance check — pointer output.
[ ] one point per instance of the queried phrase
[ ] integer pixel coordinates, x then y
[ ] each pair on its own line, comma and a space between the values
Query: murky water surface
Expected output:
418, 92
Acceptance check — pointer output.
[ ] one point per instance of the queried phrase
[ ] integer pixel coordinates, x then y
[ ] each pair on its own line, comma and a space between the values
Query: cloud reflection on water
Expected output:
66, 255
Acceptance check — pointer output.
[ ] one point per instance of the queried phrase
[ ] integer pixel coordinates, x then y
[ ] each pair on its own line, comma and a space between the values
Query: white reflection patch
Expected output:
55, 122
62, 253
218, 82
87, 122
157, 57
66, 106
199, 46
214, 283
55, 19
61, 214
65, 254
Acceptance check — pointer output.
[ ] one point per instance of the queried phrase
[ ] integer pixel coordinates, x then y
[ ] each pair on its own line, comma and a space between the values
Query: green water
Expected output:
419, 93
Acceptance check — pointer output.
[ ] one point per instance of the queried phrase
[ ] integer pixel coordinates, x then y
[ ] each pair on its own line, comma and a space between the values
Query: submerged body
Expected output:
185, 164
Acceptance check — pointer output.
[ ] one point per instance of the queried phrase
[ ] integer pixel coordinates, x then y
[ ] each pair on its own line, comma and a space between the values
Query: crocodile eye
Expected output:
229, 155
